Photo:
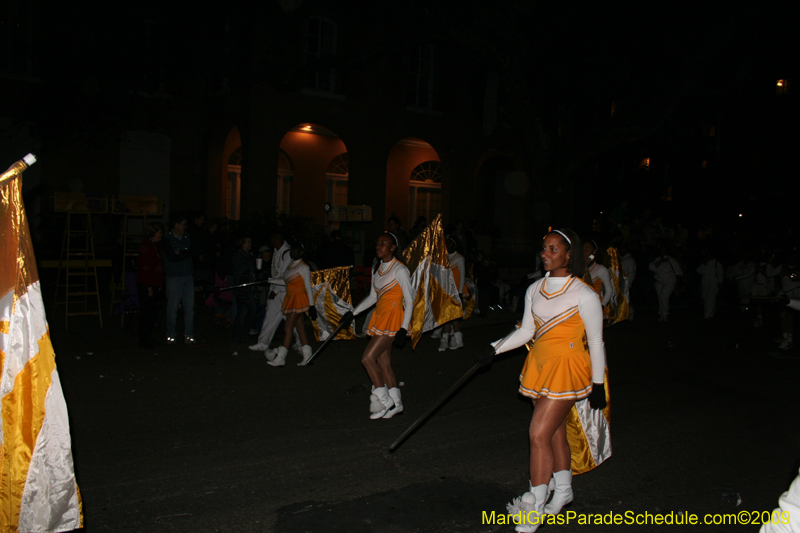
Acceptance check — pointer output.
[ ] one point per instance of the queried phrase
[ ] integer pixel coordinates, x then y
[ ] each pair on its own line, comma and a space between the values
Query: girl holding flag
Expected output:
564, 318
394, 303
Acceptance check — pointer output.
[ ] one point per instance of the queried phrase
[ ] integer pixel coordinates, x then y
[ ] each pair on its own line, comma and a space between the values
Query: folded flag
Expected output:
331, 291
436, 299
38, 491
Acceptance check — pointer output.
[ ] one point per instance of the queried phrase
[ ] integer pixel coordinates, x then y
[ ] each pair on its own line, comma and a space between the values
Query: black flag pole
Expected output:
444, 397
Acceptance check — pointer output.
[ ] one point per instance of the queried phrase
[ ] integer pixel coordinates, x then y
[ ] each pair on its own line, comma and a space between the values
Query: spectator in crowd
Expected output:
179, 272
150, 281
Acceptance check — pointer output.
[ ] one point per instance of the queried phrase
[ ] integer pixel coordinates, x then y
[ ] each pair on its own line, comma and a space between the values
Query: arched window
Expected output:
285, 174
336, 179
425, 187
234, 186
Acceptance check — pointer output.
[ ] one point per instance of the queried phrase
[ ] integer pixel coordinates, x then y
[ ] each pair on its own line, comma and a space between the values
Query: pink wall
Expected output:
402, 160
310, 155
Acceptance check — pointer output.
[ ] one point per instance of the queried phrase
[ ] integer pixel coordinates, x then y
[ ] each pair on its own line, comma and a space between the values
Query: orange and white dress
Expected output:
564, 319
393, 299
459, 269
298, 288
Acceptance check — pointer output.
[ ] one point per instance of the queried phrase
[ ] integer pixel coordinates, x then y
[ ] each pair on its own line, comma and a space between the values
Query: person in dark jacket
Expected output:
150, 281
243, 272
180, 279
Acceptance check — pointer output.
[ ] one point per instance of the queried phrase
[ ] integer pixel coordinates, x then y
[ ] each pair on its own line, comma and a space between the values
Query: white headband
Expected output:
396, 242
563, 235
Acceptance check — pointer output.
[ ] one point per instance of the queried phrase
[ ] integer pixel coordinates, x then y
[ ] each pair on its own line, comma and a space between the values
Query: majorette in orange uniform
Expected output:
394, 302
559, 365
298, 288
451, 336
563, 318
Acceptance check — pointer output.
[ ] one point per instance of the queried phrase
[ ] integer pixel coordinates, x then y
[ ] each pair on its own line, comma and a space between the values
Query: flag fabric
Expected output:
619, 308
436, 299
589, 434
469, 301
331, 291
38, 490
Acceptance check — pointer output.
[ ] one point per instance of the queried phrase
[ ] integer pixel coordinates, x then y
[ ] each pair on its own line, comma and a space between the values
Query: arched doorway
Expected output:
413, 181
315, 171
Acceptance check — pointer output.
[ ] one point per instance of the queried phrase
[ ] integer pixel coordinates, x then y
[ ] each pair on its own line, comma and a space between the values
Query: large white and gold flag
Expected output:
38, 491
436, 299
331, 291
619, 308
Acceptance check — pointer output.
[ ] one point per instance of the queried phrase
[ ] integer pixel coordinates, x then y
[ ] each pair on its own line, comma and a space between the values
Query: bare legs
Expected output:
294, 321
377, 360
548, 434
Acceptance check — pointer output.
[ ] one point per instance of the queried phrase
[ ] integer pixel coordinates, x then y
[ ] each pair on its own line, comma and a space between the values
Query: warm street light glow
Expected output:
781, 83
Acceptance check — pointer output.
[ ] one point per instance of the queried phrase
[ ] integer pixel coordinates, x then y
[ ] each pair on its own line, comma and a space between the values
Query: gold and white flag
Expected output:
436, 300
331, 291
38, 491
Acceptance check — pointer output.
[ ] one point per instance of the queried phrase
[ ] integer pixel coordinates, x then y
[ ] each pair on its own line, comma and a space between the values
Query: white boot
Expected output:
443, 345
529, 509
306, 351
437, 333
563, 494
280, 358
457, 341
380, 402
394, 394
258, 347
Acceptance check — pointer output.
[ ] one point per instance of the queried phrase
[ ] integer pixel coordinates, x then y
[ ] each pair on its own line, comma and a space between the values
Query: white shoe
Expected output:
437, 333
297, 347
394, 394
306, 351
530, 507
280, 358
444, 343
380, 403
563, 492
258, 347
457, 341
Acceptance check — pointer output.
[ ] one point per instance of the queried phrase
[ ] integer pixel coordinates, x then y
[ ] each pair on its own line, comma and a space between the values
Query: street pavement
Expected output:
209, 438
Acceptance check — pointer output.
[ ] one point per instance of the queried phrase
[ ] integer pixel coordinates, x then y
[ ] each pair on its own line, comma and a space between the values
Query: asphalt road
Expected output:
210, 438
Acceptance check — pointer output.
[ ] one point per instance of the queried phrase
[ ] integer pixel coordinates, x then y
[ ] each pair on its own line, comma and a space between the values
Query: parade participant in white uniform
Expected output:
459, 269
743, 273
280, 262
393, 299
601, 279
713, 276
562, 316
296, 301
665, 271
629, 267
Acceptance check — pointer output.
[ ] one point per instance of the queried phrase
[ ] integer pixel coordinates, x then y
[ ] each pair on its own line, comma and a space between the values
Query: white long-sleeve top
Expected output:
713, 273
629, 266
280, 262
667, 270
589, 309
600, 271
457, 261
787, 515
388, 273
